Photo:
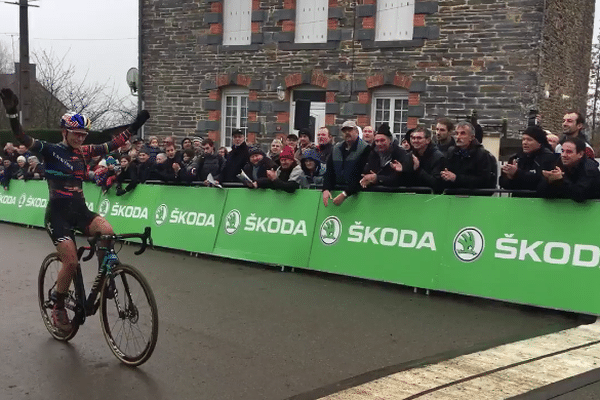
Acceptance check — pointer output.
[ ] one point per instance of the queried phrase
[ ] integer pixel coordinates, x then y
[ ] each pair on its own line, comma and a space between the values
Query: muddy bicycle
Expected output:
128, 311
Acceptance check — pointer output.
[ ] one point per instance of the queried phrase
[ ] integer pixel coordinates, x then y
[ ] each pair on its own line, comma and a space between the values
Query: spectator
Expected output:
575, 176
35, 170
325, 144
552, 140
258, 165
127, 173
189, 166
103, 176
21, 171
22, 151
171, 157
165, 169
197, 146
123, 150
428, 160
133, 154
345, 166
368, 135
145, 165
304, 142
186, 143
153, 147
10, 152
524, 169
388, 164
405, 144
237, 158
8, 172
444, 131
138, 144
573, 124
167, 141
292, 141
209, 162
469, 165
223, 152
276, 147
312, 167
288, 176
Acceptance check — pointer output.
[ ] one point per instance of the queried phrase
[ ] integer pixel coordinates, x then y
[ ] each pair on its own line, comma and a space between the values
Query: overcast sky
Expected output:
99, 37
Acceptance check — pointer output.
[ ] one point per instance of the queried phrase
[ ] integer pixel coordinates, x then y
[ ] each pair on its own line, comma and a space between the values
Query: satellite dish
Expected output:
133, 80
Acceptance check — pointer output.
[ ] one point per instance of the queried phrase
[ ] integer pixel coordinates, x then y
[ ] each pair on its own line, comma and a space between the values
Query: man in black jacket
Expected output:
468, 164
575, 176
210, 162
443, 133
325, 144
388, 164
428, 160
236, 158
524, 169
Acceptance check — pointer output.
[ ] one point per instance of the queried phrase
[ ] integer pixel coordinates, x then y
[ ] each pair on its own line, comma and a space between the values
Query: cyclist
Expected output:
65, 172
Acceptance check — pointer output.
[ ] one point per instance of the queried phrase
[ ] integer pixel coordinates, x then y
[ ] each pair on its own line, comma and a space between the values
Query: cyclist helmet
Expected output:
75, 121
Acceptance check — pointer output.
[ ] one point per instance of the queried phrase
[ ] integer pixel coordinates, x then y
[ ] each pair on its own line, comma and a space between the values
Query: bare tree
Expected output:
593, 112
100, 102
6, 65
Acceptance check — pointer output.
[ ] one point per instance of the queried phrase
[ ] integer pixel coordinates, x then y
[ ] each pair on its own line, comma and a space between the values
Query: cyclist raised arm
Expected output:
65, 172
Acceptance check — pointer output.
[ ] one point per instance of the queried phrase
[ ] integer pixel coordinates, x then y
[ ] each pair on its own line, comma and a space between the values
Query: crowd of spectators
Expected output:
452, 158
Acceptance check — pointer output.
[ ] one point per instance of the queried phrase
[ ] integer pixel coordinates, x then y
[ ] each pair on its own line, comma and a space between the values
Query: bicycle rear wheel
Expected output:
129, 315
46, 286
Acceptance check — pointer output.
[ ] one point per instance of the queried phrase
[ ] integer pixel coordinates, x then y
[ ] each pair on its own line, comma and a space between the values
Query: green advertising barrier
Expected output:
530, 251
382, 236
268, 226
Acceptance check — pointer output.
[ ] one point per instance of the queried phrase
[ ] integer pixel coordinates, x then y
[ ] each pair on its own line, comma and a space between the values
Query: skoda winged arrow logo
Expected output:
232, 222
104, 207
160, 216
22, 200
468, 244
330, 231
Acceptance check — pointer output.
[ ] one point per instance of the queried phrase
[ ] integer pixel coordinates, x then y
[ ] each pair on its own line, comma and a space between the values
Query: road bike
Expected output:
128, 311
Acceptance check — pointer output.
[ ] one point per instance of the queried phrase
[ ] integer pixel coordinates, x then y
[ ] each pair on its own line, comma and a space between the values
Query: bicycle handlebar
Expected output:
145, 237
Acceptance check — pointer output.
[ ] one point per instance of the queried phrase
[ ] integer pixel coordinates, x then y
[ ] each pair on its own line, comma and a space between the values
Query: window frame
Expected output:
241, 118
394, 95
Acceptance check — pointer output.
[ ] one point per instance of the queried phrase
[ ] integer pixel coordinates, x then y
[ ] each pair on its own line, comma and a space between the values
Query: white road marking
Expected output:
473, 376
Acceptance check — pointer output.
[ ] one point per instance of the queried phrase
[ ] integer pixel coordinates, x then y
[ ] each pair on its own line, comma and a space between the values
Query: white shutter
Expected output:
311, 21
394, 20
405, 12
237, 25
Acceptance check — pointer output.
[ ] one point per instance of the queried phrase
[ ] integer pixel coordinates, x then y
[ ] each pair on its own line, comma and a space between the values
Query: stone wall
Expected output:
483, 55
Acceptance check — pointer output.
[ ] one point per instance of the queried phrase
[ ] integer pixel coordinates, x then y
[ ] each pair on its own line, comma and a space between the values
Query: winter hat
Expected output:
537, 134
111, 161
102, 163
384, 129
310, 154
21, 158
306, 132
287, 152
255, 150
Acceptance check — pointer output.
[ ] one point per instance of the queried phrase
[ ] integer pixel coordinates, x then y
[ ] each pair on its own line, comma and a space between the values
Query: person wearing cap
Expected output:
7, 172
35, 170
257, 166
67, 212
428, 160
288, 176
236, 159
524, 169
575, 175
346, 164
304, 142
325, 144
388, 164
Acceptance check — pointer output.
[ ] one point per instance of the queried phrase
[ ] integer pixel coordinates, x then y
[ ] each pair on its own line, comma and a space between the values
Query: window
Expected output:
237, 22
394, 20
234, 114
391, 106
311, 21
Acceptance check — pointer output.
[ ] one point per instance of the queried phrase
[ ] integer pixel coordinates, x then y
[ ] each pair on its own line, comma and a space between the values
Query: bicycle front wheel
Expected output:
129, 315
46, 288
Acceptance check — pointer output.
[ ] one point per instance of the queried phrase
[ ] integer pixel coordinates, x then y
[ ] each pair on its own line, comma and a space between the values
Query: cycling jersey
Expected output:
65, 166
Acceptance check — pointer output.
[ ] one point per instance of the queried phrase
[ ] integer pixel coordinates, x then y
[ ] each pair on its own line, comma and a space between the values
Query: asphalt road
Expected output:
234, 330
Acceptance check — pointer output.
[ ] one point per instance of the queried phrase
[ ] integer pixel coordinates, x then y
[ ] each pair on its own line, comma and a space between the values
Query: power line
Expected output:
70, 39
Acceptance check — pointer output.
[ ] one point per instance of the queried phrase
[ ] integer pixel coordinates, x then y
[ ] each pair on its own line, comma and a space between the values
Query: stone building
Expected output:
208, 66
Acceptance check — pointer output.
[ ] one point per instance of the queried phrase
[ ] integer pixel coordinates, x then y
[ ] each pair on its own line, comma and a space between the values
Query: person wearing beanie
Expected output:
288, 176
256, 169
312, 167
524, 169
21, 170
304, 142
388, 164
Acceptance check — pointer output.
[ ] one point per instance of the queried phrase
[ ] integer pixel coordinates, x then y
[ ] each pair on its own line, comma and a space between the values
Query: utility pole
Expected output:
24, 72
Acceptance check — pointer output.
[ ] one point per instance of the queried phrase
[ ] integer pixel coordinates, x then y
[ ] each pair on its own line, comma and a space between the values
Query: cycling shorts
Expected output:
65, 216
